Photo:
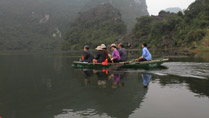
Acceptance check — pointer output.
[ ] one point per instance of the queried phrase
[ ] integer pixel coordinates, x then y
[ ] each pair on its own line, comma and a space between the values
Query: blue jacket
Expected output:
146, 54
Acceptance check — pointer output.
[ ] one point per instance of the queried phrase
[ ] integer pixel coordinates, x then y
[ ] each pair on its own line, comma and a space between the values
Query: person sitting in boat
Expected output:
146, 55
115, 57
88, 55
105, 53
100, 55
122, 52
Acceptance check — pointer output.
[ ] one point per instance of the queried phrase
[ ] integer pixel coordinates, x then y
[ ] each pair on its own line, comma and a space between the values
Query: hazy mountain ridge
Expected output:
24, 25
41, 24
174, 9
102, 24
130, 9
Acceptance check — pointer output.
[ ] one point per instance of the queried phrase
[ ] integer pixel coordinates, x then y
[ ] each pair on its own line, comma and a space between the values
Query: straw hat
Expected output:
98, 48
113, 45
103, 46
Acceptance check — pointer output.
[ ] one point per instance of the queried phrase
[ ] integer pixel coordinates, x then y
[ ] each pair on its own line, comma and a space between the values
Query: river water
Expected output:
47, 86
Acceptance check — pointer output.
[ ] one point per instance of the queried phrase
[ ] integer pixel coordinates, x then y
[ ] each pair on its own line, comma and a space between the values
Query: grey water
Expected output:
47, 86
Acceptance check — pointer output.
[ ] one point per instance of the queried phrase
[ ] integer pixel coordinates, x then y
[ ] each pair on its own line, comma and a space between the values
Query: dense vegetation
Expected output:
188, 29
41, 24
102, 24
129, 9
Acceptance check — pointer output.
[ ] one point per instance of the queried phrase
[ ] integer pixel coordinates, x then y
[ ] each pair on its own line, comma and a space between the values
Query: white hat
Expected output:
98, 48
103, 46
113, 45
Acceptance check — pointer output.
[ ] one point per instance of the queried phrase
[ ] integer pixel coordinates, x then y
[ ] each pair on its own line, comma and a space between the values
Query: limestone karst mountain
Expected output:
41, 24
102, 24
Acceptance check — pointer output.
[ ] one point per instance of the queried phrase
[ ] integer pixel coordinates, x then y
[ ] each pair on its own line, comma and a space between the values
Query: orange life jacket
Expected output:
82, 57
105, 62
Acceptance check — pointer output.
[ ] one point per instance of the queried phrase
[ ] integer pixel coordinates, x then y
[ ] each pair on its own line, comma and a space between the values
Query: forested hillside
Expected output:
42, 24
130, 9
189, 29
102, 24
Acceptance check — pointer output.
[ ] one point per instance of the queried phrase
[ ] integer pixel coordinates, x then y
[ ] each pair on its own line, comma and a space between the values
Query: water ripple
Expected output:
185, 69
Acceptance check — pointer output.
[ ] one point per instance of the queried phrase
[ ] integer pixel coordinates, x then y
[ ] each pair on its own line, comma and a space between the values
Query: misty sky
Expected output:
154, 6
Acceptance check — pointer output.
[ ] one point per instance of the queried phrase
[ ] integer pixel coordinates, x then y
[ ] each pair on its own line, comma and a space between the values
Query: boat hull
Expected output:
144, 65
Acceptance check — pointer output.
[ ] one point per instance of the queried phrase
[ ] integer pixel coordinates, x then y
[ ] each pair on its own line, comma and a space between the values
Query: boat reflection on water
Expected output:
87, 75
146, 79
104, 77
116, 79
113, 93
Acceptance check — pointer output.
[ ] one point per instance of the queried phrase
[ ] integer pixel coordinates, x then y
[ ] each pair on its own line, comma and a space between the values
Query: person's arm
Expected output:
109, 55
113, 56
116, 55
120, 52
85, 56
143, 53
97, 56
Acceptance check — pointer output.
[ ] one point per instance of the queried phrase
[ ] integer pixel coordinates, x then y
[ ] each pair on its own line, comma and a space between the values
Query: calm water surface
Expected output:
46, 86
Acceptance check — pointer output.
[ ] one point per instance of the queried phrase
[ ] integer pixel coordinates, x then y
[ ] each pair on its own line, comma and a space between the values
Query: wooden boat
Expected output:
144, 65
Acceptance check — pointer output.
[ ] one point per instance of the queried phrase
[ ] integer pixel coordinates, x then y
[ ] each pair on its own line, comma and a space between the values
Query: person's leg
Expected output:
142, 59
109, 60
115, 61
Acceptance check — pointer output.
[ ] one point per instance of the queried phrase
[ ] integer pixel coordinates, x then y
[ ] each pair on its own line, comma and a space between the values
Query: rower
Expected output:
115, 58
146, 55
100, 55
122, 52
88, 55
105, 54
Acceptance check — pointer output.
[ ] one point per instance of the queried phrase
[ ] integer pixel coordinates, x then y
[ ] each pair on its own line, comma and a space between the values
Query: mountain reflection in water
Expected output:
37, 86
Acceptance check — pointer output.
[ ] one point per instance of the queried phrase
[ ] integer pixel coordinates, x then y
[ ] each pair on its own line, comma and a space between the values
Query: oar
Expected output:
115, 66
133, 60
